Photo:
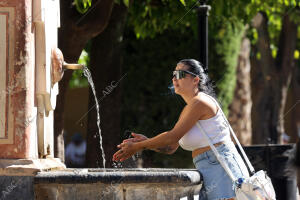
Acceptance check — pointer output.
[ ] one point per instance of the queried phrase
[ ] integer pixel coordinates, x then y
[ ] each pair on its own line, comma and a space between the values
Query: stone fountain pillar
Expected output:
28, 32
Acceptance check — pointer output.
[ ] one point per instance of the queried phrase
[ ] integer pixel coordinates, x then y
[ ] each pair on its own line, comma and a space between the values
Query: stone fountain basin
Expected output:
117, 184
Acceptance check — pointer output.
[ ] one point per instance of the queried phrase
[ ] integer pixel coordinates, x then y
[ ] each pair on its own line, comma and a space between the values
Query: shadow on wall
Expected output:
76, 107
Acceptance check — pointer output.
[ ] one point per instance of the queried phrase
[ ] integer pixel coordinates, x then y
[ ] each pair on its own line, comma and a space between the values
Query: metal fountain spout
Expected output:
59, 65
72, 66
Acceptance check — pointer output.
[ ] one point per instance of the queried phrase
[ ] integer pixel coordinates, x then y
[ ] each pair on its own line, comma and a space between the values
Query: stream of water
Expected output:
88, 75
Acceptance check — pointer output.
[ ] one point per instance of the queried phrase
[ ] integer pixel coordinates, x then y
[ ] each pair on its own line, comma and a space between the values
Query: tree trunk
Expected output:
240, 108
105, 66
76, 30
271, 79
295, 108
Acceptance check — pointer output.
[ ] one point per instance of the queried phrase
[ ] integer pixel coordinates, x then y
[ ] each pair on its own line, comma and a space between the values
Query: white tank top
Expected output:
215, 127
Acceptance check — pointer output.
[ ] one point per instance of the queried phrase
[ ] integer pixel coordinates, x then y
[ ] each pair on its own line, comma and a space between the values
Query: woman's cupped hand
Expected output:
128, 147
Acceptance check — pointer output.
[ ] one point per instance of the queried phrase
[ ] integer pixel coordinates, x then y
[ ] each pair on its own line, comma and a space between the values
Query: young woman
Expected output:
192, 84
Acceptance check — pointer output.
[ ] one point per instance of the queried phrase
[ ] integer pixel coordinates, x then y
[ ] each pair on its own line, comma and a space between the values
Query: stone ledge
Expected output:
133, 175
117, 184
29, 167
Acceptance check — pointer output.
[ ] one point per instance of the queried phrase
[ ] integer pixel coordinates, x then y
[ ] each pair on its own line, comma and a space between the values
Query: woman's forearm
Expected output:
160, 141
169, 149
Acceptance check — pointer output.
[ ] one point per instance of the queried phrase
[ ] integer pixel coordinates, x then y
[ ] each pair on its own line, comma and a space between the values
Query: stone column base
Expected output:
29, 167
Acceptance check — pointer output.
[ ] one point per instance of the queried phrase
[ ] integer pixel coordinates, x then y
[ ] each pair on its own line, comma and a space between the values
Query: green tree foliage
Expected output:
82, 6
78, 80
274, 10
226, 27
223, 57
151, 17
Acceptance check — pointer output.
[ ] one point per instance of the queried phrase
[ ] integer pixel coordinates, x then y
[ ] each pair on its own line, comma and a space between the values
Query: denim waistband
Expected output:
227, 143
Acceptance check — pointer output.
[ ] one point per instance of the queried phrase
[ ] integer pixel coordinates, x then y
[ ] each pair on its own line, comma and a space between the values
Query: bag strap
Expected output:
218, 156
251, 168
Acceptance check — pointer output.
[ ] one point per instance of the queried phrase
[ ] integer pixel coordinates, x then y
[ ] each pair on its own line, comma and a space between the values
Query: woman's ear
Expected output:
196, 80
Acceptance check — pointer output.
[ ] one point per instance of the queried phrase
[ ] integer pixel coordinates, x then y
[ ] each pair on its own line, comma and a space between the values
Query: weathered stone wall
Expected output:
139, 191
16, 188
17, 87
22, 45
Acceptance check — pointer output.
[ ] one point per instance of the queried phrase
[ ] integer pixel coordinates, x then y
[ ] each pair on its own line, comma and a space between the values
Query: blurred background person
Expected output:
75, 152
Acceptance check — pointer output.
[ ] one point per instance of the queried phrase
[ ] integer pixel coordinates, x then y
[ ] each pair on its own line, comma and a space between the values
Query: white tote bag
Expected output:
256, 187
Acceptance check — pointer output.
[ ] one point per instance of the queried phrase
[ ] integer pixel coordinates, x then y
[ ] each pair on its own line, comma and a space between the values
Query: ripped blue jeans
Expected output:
216, 183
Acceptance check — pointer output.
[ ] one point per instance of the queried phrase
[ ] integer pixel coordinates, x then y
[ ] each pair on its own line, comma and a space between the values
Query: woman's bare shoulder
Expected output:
205, 102
200, 99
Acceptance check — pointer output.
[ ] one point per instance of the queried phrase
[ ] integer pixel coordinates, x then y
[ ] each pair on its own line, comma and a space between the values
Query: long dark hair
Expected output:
205, 85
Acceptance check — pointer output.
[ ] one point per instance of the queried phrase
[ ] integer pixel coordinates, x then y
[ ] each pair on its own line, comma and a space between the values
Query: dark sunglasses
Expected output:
179, 74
